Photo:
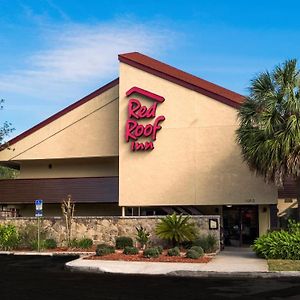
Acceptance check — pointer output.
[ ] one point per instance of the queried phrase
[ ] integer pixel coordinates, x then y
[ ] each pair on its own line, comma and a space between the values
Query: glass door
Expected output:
240, 225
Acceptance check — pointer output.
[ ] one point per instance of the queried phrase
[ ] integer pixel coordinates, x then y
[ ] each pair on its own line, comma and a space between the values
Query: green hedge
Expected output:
174, 252
85, 243
192, 254
209, 243
124, 241
9, 238
198, 249
104, 249
278, 245
151, 252
131, 250
50, 244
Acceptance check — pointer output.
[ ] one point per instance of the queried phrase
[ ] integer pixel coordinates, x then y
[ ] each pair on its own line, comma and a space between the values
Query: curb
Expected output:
35, 253
182, 273
199, 274
207, 274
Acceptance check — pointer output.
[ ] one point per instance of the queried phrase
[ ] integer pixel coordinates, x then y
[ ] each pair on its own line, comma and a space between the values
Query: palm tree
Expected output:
176, 228
269, 132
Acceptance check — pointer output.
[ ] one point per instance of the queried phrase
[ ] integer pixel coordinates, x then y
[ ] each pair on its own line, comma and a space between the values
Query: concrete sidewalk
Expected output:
230, 262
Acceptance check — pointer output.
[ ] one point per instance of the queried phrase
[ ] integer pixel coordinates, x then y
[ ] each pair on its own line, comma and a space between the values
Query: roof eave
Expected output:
233, 103
64, 111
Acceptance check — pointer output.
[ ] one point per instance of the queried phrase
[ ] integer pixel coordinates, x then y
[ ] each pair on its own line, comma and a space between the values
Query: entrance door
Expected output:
240, 225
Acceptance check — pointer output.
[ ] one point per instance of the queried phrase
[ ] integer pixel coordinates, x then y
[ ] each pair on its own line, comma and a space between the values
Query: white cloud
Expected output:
77, 55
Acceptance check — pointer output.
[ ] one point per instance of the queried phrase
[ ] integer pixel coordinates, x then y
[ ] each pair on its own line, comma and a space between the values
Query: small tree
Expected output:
8, 173
176, 229
68, 207
142, 236
5, 128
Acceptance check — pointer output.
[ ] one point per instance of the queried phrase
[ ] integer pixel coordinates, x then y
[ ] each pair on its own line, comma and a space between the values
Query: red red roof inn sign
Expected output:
137, 112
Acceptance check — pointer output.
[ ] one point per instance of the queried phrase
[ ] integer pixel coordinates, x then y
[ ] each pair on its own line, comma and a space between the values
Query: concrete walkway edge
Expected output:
166, 269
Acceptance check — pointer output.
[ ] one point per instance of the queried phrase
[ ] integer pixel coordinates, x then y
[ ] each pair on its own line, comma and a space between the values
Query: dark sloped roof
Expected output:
179, 77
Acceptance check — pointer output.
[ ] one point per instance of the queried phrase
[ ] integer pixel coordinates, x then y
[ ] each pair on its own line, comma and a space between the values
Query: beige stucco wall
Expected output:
90, 130
68, 168
284, 206
196, 160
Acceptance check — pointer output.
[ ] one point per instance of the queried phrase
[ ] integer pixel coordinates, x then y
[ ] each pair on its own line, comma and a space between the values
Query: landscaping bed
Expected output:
118, 255
283, 265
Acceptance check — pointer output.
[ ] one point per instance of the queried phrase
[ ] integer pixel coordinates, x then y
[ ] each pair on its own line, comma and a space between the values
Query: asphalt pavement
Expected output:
44, 277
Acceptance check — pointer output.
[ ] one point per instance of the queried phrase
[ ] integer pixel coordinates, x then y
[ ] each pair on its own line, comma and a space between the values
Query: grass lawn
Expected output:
283, 265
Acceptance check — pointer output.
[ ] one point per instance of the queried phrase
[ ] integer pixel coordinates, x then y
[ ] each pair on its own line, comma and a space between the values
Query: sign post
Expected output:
38, 214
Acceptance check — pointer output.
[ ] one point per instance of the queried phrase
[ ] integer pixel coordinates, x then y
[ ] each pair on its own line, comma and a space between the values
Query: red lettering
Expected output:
139, 146
157, 127
137, 110
129, 128
133, 106
134, 130
143, 112
148, 130
136, 146
152, 111
149, 146
139, 130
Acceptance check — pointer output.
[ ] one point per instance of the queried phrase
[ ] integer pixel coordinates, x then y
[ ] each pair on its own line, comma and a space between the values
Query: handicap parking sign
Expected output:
38, 208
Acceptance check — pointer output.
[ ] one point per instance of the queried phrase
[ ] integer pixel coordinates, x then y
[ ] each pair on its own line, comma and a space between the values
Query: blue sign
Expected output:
38, 213
38, 208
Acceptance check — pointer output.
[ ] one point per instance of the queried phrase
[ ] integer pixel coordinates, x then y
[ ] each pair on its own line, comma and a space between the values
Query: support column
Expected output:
264, 223
123, 211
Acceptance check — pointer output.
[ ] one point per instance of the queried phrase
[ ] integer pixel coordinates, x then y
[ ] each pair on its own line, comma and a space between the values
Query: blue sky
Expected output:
54, 52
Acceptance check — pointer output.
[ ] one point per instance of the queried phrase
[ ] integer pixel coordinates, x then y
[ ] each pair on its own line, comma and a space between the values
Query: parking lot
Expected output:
34, 277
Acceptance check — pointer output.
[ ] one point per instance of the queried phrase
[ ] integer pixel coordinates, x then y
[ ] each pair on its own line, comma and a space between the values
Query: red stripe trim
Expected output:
145, 93
64, 111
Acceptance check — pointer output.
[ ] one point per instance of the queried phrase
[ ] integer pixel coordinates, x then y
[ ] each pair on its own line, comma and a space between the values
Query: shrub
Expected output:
123, 241
142, 236
34, 245
293, 226
208, 243
176, 229
198, 249
192, 254
278, 245
28, 236
160, 249
74, 243
130, 250
174, 251
103, 246
187, 244
50, 244
151, 252
103, 249
85, 243
9, 238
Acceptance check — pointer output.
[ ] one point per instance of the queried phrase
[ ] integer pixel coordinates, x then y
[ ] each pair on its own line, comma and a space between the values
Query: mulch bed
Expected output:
139, 257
